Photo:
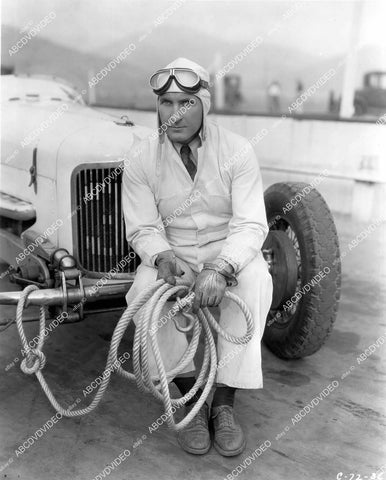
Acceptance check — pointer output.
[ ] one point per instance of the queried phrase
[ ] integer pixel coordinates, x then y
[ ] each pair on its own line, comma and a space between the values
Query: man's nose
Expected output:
177, 113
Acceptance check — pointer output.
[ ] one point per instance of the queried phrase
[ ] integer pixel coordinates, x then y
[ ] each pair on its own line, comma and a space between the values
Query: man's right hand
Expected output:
167, 266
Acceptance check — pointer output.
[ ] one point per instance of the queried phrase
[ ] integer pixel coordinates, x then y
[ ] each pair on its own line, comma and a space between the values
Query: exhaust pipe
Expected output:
55, 296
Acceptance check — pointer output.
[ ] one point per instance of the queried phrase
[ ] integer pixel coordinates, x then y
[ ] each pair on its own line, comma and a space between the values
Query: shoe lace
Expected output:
225, 417
201, 417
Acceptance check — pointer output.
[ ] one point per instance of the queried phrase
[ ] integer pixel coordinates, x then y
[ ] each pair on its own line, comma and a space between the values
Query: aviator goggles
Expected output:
186, 79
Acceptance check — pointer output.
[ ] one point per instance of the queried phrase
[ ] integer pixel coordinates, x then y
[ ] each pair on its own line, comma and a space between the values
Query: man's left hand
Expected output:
209, 289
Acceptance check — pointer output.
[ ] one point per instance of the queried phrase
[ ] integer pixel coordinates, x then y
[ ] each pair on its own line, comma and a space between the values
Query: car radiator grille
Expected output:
100, 229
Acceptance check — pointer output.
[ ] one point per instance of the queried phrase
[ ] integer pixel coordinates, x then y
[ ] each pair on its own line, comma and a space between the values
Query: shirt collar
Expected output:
194, 145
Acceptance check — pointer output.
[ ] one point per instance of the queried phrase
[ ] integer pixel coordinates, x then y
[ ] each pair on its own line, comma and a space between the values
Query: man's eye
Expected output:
165, 102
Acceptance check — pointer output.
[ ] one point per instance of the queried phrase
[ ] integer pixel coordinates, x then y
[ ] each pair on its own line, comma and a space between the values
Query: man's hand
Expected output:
168, 268
209, 289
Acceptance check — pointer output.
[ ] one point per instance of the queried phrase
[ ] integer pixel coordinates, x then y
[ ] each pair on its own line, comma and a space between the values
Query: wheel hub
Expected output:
283, 266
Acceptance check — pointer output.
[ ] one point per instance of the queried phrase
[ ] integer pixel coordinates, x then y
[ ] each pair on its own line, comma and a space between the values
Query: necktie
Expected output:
188, 162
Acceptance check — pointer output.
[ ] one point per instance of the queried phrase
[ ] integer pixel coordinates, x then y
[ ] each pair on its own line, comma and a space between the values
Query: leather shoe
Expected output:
195, 437
229, 438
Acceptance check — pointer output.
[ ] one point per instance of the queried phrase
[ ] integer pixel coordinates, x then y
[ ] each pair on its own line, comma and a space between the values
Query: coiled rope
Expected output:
153, 299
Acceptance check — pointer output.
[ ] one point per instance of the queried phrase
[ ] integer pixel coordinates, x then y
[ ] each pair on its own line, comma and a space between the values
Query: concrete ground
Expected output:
342, 435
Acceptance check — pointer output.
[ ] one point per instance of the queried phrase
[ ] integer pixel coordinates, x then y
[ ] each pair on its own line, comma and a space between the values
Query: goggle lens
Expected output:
159, 79
187, 78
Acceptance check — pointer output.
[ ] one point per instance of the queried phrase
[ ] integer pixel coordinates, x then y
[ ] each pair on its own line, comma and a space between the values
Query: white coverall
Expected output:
221, 214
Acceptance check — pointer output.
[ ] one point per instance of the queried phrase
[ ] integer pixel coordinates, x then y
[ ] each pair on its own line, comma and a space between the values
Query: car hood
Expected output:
78, 133
99, 142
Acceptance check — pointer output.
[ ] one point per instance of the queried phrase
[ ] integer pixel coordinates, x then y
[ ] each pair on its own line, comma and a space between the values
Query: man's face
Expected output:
182, 127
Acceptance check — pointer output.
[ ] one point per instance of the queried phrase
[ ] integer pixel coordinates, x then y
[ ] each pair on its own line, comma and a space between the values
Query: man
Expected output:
274, 92
193, 206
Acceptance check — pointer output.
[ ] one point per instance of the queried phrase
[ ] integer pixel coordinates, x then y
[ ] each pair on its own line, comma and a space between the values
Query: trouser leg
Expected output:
240, 366
172, 343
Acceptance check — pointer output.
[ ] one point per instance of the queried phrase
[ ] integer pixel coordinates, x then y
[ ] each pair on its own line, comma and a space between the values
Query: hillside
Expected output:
127, 85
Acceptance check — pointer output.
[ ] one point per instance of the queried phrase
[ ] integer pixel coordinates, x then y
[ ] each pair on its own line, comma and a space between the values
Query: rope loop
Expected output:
34, 361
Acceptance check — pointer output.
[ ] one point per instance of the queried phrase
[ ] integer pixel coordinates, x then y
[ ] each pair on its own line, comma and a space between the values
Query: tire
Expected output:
298, 327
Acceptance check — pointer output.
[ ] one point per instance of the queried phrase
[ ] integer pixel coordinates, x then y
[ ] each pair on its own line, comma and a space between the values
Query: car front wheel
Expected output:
302, 250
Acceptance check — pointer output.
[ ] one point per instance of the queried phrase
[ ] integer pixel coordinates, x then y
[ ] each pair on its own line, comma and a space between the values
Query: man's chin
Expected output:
179, 135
